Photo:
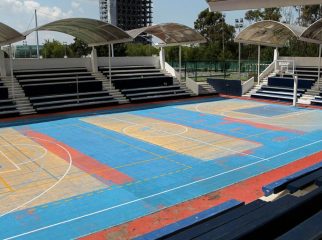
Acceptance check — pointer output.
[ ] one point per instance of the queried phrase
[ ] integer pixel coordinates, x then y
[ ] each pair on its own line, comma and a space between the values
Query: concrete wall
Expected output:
23, 64
303, 61
128, 61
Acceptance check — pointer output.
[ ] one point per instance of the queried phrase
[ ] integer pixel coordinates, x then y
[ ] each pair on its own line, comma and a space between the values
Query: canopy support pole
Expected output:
180, 62
259, 62
112, 46
319, 68
239, 60
295, 90
109, 63
11, 72
94, 60
162, 58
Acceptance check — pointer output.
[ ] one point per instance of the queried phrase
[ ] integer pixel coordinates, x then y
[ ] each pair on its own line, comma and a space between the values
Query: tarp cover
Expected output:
231, 5
91, 31
9, 35
171, 34
269, 33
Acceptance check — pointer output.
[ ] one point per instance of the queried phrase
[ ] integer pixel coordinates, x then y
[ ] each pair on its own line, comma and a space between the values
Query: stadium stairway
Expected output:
60, 89
145, 83
17, 97
280, 87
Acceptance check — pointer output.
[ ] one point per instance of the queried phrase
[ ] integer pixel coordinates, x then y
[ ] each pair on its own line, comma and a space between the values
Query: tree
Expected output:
263, 14
213, 27
55, 49
79, 48
309, 14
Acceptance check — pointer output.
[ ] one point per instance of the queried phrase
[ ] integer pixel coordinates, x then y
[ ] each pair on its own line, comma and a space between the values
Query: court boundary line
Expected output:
150, 196
50, 188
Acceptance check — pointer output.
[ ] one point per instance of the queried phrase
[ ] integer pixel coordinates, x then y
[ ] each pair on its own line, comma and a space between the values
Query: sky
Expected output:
19, 14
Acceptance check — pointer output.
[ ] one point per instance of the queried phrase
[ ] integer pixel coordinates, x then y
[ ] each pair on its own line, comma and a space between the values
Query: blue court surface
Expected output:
68, 178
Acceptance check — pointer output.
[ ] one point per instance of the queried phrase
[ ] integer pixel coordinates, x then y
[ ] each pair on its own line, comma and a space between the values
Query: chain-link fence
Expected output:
201, 70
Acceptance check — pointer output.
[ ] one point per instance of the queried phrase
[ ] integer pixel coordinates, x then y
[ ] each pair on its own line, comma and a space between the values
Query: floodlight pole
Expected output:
180, 62
109, 63
259, 61
11, 72
37, 35
319, 68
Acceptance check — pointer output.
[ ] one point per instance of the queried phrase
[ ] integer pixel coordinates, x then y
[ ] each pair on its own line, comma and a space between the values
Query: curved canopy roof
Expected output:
9, 35
91, 31
313, 33
172, 34
269, 33
231, 5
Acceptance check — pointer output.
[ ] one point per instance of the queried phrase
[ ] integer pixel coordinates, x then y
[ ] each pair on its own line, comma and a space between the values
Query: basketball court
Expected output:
63, 179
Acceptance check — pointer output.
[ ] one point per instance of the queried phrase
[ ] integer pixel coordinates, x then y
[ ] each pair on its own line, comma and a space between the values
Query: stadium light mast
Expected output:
37, 34
239, 24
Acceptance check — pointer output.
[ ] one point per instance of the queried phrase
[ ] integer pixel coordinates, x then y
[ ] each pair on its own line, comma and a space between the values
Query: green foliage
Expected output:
263, 14
137, 49
79, 48
309, 14
55, 49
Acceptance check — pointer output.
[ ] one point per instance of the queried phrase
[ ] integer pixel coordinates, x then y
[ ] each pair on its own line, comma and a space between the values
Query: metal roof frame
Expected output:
269, 33
313, 33
9, 35
93, 32
171, 34
231, 5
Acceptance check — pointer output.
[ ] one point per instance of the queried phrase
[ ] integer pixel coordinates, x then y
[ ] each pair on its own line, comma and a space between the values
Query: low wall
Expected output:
23, 64
228, 87
303, 61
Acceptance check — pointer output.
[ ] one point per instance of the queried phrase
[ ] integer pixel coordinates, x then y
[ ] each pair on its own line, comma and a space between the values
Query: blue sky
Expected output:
19, 13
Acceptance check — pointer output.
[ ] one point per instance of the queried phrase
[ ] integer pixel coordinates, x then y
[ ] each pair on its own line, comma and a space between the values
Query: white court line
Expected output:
9, 171
50, 188
271, 119
202, 142
150, 196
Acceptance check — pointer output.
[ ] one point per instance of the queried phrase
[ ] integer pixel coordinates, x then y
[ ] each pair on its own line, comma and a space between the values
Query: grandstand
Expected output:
126, 148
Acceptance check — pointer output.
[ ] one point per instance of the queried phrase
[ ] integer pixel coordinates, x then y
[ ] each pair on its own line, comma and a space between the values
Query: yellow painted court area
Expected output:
197, 143
29, 170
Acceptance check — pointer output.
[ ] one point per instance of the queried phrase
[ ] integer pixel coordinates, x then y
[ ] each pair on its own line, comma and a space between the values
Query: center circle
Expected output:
155, 130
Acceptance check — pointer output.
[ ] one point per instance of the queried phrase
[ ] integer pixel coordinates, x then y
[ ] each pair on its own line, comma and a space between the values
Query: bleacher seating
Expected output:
281, 87
143, 83
288, 216
317, 100
59, 89
7, 105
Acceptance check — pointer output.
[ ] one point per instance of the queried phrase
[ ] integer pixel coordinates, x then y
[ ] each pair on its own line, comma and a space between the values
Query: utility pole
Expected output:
37, 35
223, 34
239, 23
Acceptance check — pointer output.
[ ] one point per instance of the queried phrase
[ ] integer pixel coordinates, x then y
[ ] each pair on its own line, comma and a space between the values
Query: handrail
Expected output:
267, 71
248, 85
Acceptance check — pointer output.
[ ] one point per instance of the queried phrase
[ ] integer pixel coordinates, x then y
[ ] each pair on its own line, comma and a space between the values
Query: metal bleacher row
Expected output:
281, 87
293, 212
139, 83
58, 89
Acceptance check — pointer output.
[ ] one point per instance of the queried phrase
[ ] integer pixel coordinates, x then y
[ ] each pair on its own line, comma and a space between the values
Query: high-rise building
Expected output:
127, 14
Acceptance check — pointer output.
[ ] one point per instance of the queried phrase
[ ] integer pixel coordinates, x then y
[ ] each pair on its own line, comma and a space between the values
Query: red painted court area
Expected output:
246, 191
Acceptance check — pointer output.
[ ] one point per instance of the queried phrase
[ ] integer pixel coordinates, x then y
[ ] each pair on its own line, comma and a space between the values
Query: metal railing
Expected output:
200, 70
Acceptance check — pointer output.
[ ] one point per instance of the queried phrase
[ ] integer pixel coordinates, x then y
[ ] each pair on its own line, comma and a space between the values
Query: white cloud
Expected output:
19, 14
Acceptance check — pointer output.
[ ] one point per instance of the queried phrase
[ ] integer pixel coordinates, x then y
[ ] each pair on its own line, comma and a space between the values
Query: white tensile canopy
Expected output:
171, 34
231, 5
9, 35
268, 33
91, 31
313, 34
